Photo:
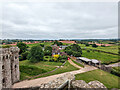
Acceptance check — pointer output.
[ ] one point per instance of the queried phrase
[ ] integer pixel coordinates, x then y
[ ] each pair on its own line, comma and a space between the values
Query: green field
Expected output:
103, 57
66, 68
109, 80
113, 49
46, 66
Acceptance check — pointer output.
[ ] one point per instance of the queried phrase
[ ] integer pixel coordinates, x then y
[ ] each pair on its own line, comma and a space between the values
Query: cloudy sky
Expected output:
61, 20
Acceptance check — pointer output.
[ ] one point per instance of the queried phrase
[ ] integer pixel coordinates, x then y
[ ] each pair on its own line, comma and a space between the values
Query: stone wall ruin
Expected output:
9, 66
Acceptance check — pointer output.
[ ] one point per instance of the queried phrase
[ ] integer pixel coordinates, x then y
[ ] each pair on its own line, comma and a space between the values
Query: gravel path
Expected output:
39, 81
75, 65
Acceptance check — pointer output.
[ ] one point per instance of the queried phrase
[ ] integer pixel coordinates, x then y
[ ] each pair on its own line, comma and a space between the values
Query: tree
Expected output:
69, 52
23, 47
36, 54
58, 43
76, 48
24, 55
94, 45
48, 50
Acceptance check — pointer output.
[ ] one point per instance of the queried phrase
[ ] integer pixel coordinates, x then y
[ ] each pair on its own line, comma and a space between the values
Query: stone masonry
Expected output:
9, 67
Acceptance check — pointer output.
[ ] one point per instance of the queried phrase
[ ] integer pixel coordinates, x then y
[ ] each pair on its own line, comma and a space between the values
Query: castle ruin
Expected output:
9, 67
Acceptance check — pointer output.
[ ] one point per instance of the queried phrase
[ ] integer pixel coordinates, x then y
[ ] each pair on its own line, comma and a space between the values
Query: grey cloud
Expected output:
60, 20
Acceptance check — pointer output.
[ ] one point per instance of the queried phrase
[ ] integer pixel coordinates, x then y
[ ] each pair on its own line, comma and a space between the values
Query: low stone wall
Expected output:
68, 81
91, 85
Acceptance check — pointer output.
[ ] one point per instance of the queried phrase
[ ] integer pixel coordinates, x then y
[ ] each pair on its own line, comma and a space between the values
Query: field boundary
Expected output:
101, 51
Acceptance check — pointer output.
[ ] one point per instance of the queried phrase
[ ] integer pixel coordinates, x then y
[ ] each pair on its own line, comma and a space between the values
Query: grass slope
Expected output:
36, 68
66, 68
78, 63
109, 80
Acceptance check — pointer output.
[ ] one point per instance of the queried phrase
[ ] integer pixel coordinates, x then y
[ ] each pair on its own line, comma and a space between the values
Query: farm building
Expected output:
93, 62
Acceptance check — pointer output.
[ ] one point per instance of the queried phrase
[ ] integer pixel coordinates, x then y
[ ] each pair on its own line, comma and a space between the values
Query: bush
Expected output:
87, 44
36, 54
94, 45
55, 57
42, 45
102, 45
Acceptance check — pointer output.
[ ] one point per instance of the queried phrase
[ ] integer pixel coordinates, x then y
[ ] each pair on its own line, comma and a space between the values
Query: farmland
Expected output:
103, 57
112, 49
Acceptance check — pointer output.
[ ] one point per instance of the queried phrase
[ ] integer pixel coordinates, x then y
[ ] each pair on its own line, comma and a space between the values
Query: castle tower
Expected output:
9, 66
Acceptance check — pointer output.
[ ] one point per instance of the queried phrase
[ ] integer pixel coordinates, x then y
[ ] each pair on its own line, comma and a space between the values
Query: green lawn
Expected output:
78, 63
103, 57
66, 68
109, 80
112, 49
45, 66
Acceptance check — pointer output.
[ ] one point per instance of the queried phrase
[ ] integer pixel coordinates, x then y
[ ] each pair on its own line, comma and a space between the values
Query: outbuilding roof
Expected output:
85, 59
94, 61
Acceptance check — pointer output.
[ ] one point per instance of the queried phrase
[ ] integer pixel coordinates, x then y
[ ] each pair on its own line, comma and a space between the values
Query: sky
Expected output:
59, 20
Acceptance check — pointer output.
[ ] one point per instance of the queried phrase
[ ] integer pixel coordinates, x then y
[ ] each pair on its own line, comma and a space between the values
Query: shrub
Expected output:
102, 45
42, 45
94, 45
55, 57
86, 44
6, 46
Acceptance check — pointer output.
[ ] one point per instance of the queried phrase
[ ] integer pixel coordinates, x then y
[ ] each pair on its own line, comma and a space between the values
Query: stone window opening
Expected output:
3, 81
15, 66
15, 57
7, 57
3, 67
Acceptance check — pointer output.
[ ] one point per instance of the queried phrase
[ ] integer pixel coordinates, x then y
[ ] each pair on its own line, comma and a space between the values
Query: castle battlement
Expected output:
9, 66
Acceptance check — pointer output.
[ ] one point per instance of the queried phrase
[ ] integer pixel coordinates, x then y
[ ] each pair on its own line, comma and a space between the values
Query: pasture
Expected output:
103, 57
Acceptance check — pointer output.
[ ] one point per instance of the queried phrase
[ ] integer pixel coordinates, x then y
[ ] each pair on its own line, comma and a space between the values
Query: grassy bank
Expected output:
78, 63
109, 80
66, 68
36, 68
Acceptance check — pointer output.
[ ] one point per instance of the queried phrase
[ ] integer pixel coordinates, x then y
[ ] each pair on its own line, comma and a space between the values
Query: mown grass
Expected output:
37, 67
78, 63
66, 68
109, 80
103, 57
112, 49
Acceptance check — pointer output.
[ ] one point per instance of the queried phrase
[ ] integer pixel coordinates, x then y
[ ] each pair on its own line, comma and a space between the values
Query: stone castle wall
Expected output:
9, 66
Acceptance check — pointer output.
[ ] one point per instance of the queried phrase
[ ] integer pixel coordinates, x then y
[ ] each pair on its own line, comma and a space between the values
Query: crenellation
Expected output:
9, 66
